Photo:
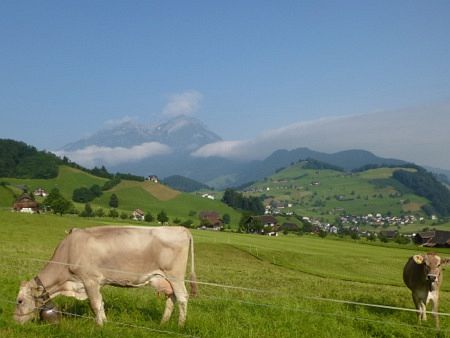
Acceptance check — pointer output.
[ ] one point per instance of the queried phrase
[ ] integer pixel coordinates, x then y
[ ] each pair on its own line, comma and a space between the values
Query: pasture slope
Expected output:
147, 196
329, 193
249, 286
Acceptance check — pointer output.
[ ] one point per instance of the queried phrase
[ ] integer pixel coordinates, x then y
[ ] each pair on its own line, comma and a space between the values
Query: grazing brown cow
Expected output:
125, 256
422, 274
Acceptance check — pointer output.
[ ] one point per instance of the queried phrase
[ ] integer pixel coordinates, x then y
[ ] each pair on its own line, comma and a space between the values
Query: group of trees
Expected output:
85, 195
185, 184
19, 160
237, 200
57, 203
426, 185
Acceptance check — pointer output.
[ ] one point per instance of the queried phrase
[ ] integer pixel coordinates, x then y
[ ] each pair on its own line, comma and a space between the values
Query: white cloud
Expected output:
95, 155
419, 135
115, 122
185, 103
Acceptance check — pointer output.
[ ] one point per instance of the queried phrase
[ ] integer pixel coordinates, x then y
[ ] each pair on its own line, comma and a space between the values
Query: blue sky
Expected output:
243, 67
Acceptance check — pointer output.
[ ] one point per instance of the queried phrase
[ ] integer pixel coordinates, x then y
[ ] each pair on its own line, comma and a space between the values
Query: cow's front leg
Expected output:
434, 297
420, 307
96, 301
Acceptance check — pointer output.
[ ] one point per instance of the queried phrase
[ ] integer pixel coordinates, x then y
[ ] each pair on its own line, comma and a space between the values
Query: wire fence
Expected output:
246, 289
294, 308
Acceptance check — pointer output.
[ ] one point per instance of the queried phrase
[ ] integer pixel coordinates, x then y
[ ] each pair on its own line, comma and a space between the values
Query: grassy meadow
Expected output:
147, 196
249, 286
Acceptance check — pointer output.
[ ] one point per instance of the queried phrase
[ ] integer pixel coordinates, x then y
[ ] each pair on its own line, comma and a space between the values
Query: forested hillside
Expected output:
185, 184
20, 160
424, 184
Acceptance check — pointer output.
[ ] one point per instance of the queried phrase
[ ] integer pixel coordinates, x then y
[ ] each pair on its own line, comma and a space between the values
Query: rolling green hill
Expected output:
329, 193
147, 196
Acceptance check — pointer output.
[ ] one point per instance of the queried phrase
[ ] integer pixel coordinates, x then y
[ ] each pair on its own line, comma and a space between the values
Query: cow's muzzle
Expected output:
432, 277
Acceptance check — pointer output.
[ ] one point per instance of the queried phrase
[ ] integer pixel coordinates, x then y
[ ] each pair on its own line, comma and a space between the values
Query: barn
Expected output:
25, 203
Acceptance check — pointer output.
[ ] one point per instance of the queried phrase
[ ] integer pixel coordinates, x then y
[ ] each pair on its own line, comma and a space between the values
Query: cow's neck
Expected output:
52, 276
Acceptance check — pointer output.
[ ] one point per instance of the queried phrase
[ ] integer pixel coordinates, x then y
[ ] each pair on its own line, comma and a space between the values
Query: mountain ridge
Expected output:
184, 134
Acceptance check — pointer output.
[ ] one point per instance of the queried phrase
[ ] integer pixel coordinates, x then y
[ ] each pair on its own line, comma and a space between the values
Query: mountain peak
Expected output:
183, 133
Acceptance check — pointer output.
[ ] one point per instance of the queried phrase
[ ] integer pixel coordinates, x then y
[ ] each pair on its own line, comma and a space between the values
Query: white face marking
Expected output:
25, 304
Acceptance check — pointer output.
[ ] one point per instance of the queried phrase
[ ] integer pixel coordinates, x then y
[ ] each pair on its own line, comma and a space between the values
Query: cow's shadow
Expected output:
150, 307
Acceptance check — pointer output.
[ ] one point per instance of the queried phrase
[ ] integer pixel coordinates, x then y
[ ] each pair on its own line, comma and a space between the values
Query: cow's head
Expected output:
28, 302
432, 264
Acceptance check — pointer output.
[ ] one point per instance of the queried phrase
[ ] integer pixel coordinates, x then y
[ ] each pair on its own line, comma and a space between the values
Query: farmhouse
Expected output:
267, 221
211, 220
152, 178
40, 192
138, 215
436, 238
288, 227
25, 204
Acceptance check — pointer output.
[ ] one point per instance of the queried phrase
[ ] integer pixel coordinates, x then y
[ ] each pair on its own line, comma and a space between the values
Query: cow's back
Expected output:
123, 252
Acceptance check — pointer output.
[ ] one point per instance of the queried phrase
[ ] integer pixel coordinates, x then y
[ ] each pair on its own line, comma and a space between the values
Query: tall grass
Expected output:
249, 286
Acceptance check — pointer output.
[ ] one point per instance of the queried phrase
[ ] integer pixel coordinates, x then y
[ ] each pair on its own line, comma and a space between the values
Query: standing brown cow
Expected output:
422, 274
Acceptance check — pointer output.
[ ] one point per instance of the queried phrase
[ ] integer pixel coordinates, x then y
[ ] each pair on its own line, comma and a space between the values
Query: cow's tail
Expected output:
192, 278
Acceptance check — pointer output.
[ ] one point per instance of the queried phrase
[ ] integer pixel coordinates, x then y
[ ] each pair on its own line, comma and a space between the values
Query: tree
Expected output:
162, 217
58, 203
123, 215
62, 206
99, 212
87, 212
82, 195
226, 218
114, 201
149, 217
250, 224
236, 200
96, 190
113, 213
188, 223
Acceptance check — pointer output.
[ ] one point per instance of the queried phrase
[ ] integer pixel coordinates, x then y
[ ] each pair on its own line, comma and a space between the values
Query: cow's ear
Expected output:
418, 259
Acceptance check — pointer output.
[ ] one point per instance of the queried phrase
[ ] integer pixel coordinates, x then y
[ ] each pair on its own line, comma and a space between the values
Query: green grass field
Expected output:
249, 286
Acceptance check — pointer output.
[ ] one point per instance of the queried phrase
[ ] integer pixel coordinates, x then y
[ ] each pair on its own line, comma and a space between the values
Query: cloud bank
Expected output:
185, 103
419, 135
94, 155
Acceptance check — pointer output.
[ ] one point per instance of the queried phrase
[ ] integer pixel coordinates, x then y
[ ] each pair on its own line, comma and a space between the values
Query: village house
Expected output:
288, 227
138, 215
25, 204
40, 192
210, 220
208, 196
152, 178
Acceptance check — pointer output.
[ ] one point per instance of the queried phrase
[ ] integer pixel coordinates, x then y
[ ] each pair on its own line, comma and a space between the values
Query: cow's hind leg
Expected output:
96, 301
169, 309
182, 297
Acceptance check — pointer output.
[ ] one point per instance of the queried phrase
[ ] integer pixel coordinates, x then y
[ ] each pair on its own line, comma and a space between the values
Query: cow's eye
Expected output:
19, 301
